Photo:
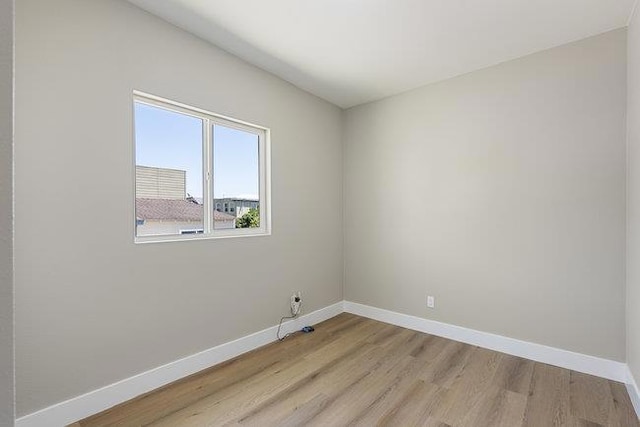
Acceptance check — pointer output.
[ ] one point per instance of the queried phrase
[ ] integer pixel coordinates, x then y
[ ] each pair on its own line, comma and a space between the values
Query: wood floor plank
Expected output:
224, 406
304, 390
448, 364
415, 406
514, 374
348, 406
624, 412
432, 422
356, 371
579, 422
590, 398
341, 383
497, 408
430, 346
390, 391
470, 387
300, 415
548, 403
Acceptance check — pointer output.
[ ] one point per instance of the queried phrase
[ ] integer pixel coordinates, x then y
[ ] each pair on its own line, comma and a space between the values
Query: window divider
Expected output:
207, 161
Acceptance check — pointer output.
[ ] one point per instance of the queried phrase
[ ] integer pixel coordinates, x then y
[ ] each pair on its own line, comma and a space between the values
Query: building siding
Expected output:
160, 183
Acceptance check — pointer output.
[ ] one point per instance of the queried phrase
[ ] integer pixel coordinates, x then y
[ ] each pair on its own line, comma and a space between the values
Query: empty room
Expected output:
319, 213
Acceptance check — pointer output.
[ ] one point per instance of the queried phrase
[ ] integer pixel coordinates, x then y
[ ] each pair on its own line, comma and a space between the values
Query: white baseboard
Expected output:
604, 368
98, 400
634, 391
80, 407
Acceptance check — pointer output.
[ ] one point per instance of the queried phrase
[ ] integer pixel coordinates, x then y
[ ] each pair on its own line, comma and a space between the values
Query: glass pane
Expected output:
236, 178
168, 172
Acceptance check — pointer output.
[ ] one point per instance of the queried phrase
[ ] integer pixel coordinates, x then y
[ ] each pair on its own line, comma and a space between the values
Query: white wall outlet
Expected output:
431, 301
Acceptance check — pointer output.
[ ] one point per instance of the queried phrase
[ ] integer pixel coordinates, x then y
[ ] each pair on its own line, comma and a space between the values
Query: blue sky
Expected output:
171, 140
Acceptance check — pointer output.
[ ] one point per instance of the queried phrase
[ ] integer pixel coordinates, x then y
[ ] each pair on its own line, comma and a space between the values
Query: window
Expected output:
189, 164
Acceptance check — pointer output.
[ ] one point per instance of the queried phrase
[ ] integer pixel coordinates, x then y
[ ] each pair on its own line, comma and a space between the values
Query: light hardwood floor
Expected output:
356, 371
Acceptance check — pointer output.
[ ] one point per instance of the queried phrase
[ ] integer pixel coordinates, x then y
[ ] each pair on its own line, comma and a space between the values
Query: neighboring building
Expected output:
165, 216
163, 207
160, 183
236, 207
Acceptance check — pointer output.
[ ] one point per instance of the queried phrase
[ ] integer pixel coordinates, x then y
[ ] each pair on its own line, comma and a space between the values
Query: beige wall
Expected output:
89, 300
6, 214
633, 198
517, 175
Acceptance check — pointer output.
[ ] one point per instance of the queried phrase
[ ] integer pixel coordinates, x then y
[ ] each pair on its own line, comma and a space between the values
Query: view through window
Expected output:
197, 174
236, 182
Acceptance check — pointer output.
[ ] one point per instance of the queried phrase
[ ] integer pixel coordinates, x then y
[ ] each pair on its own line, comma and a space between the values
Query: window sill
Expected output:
189, 238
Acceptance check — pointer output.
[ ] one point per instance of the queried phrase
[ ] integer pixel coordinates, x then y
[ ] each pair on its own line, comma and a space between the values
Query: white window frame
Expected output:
208, 120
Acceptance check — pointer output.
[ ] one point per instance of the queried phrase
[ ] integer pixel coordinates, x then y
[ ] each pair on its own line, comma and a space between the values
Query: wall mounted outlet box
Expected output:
431, 301
296, 301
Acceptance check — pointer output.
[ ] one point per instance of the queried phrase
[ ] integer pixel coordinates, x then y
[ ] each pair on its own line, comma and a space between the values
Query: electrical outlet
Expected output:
296, 302
431, 301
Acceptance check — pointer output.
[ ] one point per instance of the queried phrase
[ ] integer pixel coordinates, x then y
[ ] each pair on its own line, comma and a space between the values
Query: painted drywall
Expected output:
633, 197
91, 306
7, 400
509, 184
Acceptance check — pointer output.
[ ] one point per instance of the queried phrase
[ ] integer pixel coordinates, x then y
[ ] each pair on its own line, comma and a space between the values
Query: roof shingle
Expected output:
174, 210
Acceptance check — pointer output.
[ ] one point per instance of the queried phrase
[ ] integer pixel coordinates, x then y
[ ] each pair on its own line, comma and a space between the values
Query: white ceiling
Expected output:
354, 51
